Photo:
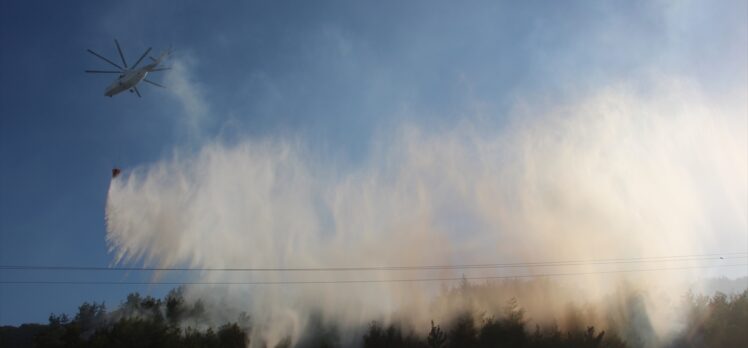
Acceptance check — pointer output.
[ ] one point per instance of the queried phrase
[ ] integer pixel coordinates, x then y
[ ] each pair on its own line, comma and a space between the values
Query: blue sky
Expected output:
335, 73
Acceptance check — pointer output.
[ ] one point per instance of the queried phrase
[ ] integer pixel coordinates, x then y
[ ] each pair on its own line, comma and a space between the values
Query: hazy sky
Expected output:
336, 74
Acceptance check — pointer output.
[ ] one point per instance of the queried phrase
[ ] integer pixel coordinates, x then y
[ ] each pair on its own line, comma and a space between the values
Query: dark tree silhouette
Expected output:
717, 321
436, 338
392, 336
175, 306
463, 332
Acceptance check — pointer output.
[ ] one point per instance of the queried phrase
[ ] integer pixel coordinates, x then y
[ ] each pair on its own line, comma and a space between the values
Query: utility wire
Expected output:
695, 257
362, 281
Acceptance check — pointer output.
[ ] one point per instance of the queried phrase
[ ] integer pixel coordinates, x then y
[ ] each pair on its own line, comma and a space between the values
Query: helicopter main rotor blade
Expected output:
141, 57
136, 91
161, 69
153, 83
103, 72
120, 53
106, 60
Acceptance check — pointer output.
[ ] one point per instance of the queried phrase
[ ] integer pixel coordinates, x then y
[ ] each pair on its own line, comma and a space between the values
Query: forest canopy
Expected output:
143, 321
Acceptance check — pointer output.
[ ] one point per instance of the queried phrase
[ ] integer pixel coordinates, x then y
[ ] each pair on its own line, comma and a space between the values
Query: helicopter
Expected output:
129, 77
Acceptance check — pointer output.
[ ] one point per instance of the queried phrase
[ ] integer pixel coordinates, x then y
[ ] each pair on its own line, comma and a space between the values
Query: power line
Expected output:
695, 257
362, 281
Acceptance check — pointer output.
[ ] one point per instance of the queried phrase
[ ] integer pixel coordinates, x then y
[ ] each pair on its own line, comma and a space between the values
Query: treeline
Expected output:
137, 322
716, 321
509, 331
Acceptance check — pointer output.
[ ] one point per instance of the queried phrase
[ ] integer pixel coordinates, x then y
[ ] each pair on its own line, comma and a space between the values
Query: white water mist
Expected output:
612, 175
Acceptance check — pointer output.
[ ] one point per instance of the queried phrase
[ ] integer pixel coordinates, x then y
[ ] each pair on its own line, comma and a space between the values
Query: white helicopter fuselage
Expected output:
129, 77
126, 81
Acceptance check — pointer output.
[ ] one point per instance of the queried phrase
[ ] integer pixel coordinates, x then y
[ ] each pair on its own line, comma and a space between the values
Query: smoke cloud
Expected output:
617, 174
188, 92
